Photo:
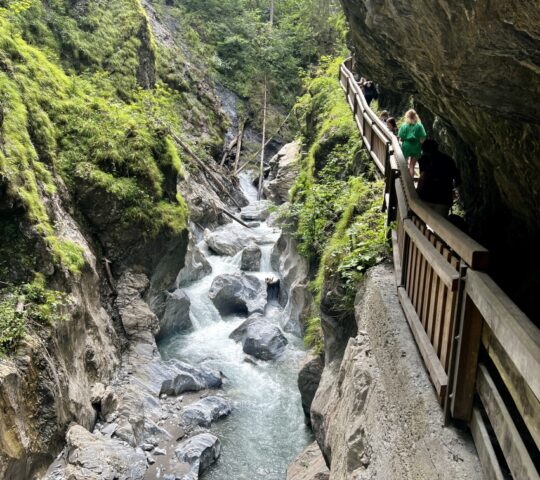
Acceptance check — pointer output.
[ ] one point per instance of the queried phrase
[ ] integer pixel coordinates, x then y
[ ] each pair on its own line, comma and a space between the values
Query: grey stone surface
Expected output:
195, 265
227, 240
238, 293
190, 379
199, 452
309, 465
175, 318
251, 258
309, 378
91, 457
260, 338
375, 413
284, 168
205, 411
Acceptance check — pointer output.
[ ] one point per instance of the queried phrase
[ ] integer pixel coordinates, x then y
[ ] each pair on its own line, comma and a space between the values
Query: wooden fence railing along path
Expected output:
482, 353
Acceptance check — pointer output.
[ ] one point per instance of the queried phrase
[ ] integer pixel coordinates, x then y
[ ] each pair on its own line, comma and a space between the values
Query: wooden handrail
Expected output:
472, 253
454, 310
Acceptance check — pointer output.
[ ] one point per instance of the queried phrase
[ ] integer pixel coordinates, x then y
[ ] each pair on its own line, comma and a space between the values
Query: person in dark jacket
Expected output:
438, 177
370, 91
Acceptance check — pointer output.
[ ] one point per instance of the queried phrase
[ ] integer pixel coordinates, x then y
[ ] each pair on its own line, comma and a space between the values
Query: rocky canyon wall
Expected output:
473, 71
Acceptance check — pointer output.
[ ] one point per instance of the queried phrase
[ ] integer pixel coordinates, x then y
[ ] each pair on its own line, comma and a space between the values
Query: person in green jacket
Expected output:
412, 135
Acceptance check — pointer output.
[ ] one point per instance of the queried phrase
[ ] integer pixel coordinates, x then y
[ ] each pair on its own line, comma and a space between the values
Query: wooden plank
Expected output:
518, 336
486, 453
466, 360
448, 325
443, 270
397, 258
436, 372
401, 202
525, 400
515, 453
430, 280
442, 295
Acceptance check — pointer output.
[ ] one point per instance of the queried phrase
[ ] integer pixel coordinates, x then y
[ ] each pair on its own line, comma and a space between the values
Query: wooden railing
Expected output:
482, 353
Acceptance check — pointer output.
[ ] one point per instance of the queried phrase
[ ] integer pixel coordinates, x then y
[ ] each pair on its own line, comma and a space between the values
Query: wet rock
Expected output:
195, 265
284, 169
260, 338
238, 293
228, 240
176, 315
309, 378
88, 456
309, 465
251, 258
199, 452
256, 212
191, 379
205, 411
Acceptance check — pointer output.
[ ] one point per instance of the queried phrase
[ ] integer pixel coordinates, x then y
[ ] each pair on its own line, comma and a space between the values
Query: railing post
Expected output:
405, 259
464, 360
371, 136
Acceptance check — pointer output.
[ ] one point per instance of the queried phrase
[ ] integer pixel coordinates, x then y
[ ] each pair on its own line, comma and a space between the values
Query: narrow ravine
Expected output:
266, 429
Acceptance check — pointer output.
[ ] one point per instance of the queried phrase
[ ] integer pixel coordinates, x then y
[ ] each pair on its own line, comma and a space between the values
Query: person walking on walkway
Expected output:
412, 134
370, 91
438, 177
392, 126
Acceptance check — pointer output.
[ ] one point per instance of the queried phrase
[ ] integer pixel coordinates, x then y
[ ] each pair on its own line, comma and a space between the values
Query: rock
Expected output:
375, 414
147, 447
251, 258
309, 465
284, 168
151, 460
159, 451
255, 212
139, 322
238, 293
191, 379
109, 429
176, 315
253, 224
309, 378
199, 452
88, 456
260, 338
96, 394
228, 240
195, 265
205, 411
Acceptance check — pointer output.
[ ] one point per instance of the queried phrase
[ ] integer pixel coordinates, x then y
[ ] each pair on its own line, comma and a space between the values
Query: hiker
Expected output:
370, 91
412, 134
384, 116
392, 125
438, 177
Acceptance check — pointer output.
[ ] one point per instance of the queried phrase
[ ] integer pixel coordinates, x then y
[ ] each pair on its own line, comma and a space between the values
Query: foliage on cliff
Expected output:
335, 210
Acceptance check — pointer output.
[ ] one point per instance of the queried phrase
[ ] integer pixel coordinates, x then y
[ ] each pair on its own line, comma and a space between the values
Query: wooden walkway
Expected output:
482, 353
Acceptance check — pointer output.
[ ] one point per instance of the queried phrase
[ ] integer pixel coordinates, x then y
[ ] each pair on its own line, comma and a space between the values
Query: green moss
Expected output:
26, 307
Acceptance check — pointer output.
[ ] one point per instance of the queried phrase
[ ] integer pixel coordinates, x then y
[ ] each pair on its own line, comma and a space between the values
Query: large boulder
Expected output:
260, 338
251, 258
284, 169
238, 293
228, 240
309, 378
176, 315
195, 265
89, 457
205, 411
309, 465
190, 379
199, 452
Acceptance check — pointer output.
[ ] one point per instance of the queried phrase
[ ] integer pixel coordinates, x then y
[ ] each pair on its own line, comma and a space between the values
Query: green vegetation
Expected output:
335, 211
29, 306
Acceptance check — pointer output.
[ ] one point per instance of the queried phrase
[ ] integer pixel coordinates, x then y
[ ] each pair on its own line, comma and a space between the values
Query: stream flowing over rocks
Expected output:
216, 397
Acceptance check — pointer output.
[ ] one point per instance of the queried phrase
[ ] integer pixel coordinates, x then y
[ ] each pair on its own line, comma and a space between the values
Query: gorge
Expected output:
158, 320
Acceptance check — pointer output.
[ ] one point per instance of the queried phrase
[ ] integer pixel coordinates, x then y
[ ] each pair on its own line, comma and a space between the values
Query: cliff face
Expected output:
473, 69
92, 189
